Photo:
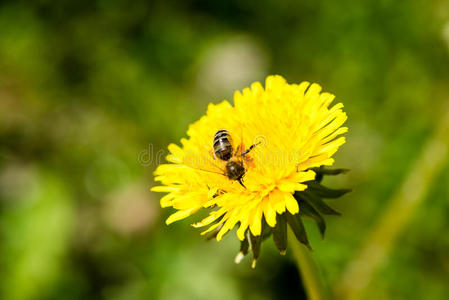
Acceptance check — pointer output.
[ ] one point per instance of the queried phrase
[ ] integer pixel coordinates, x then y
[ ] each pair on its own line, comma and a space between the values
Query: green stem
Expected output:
359, 273
308, 269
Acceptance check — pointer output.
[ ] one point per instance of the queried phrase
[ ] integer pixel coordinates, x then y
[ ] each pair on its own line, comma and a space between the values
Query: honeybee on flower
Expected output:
259, 186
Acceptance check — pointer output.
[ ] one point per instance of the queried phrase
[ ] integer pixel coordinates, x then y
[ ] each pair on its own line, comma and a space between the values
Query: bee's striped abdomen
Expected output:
223, 145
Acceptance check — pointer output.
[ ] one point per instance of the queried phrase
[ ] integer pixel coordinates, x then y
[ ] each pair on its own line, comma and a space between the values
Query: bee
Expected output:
223, 149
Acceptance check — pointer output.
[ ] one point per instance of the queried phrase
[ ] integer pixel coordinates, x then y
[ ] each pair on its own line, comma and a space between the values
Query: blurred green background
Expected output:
92, 92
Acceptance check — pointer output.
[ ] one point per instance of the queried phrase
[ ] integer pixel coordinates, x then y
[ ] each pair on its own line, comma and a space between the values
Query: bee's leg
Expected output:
240, 181
249, 149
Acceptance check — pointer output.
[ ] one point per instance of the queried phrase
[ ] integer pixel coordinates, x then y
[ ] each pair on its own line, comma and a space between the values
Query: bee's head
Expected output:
235, 169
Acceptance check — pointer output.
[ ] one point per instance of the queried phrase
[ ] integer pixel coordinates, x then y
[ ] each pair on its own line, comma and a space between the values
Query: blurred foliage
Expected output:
91, 92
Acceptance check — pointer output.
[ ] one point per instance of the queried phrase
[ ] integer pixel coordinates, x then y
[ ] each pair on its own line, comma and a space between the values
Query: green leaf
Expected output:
244, 249
255, 242
326, 171
298, 229
305, 209
321, 171
244, 246
214, 233
266, 230
317, 203
325, 192
280, 233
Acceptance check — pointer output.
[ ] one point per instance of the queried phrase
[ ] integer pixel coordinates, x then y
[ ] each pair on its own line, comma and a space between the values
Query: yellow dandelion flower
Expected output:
281, 135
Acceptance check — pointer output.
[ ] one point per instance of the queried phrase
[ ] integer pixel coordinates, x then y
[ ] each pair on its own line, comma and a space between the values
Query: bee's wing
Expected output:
211, 161
204, 170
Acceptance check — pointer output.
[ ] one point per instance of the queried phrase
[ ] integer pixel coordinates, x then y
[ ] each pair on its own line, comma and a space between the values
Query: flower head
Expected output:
293, 130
